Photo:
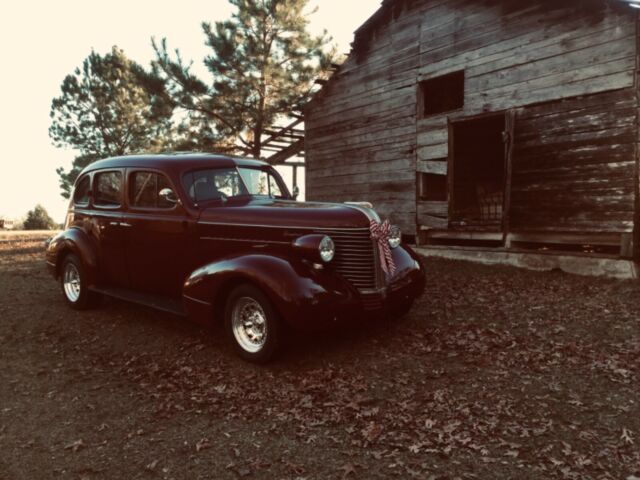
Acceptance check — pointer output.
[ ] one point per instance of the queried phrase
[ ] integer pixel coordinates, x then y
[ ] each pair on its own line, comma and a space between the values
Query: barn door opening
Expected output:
478, 173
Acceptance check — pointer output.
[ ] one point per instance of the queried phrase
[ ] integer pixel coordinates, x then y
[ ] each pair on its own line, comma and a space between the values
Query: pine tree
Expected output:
263, 64
110, 106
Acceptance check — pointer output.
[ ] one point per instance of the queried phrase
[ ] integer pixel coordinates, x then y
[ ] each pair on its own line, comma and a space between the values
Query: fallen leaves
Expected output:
75, 446
495, 372
349, 469
627, 436
202, 444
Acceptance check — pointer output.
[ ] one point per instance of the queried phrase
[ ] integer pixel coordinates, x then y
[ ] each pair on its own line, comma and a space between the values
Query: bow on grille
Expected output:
380, 233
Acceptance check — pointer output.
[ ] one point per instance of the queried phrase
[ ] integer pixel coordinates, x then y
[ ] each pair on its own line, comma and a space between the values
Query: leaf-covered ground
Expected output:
496, 373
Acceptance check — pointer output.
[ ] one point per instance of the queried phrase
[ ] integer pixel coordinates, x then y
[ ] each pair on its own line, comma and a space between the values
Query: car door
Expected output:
159, 254
106, 229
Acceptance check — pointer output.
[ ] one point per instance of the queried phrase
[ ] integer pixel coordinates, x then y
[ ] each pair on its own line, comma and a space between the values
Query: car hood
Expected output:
286, 213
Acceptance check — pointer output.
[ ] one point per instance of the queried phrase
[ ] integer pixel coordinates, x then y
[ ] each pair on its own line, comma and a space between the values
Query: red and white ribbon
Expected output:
380, 233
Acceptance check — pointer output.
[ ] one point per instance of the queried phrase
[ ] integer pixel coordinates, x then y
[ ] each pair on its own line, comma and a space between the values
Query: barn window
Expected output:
432, 188
442, 94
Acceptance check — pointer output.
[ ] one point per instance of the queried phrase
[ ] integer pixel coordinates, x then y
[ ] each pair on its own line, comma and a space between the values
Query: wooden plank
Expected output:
428, 222
433, 152
567, 238
508, 35
508, 173
626, 245
450, 169
580, 82
469, 235
434, 137
434, 209
434, 168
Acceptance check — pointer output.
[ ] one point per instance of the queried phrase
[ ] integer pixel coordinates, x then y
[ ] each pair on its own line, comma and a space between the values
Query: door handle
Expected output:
125, 224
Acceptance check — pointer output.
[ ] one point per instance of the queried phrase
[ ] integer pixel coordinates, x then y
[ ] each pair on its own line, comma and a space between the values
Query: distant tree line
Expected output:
262, 65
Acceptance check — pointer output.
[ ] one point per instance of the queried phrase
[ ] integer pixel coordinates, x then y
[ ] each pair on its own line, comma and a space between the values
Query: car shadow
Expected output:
333, 344
338, 342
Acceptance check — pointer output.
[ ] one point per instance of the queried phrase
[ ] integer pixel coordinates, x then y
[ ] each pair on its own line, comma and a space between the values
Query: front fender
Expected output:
409, 269
73, 240
299, 292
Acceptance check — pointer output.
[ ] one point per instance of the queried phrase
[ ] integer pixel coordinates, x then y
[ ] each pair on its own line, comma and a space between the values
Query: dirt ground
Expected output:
496, 373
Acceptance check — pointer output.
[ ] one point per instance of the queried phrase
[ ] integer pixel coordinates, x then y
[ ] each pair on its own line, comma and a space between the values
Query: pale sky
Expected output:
43, 41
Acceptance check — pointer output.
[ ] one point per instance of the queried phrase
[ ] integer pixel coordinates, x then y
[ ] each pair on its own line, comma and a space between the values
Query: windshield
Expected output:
223, 183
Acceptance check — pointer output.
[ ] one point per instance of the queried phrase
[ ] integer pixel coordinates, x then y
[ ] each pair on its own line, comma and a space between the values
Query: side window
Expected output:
145, 188
274, 188
256, 181
81, 192
108, 189
213, 184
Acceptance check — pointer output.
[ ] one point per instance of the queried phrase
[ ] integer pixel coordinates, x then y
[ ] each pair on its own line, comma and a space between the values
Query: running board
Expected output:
169, 305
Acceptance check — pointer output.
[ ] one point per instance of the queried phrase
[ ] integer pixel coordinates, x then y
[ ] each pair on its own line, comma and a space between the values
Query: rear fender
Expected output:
78, 242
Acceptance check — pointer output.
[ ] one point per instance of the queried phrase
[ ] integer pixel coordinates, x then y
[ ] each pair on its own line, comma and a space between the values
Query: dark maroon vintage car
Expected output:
215, 237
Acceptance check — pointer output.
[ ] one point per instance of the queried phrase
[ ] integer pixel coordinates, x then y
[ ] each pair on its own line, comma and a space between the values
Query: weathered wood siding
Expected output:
516, 54
574, 163
361, 131
527, 55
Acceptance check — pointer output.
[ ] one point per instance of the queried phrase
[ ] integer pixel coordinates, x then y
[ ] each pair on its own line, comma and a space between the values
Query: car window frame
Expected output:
129, 174
267, 168
88, 176
94, 186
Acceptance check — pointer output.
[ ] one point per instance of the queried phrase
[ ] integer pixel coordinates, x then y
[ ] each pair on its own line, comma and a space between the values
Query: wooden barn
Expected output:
507, 125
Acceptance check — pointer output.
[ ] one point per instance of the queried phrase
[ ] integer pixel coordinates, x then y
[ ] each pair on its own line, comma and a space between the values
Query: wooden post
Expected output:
508, 151
295, 176
450, 170
635, 241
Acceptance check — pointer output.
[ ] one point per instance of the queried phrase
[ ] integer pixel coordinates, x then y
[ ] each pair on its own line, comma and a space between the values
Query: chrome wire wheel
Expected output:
71, 282
249, 324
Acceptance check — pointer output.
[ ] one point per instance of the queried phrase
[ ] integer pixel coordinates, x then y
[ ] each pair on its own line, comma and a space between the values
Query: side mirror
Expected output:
169, 195
296, 192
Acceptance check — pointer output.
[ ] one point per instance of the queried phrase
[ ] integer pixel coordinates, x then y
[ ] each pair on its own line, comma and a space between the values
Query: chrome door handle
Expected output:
125, 224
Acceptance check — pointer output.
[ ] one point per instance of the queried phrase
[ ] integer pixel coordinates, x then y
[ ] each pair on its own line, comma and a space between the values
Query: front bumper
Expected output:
346, 304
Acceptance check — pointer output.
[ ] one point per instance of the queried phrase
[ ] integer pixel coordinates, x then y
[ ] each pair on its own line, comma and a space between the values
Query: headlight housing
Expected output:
327, 249
315, 248
395, 236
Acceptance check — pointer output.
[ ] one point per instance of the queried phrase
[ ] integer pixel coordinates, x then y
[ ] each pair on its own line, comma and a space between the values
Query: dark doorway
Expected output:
478, 166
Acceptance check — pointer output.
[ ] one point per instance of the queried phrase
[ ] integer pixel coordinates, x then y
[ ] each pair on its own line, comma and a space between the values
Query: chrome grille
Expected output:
355, 256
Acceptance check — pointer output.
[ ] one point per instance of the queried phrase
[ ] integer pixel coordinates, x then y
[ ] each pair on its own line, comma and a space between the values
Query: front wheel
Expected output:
252, 324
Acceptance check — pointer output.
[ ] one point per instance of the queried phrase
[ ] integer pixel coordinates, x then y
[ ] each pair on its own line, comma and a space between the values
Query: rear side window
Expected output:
108, 189
81, 193
145, 188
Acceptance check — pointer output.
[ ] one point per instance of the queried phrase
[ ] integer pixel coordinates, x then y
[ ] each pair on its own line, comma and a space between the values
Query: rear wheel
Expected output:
73, 282
252, 324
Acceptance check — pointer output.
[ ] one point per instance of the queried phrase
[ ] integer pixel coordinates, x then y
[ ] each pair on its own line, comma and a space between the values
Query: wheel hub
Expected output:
71, 282
249, 324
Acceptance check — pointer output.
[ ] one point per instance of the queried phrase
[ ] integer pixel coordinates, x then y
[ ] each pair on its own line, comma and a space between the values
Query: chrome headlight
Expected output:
395, 236
327, 249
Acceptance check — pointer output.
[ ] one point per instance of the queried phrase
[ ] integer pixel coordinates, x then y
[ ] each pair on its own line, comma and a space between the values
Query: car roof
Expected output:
175, 161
